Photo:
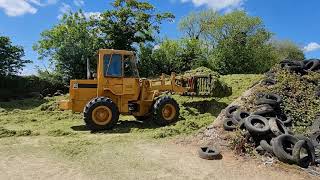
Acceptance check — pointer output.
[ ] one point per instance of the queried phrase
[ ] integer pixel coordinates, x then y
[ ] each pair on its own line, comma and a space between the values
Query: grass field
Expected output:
32, 117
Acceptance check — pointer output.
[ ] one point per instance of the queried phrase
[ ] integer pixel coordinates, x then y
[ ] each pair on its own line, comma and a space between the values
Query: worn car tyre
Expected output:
209, 153
239, 115
267, 146
283, 147
296, 153
287, 120
230, 110
310, 145
312, 65
228, 124
268, 82
315, 138
254, 119
100, 114
271, 99
264, 109
165, 111
277, 127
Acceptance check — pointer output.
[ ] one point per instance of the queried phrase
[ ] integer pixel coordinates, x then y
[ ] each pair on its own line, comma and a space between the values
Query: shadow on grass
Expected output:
25, 104
125, 126
213, 106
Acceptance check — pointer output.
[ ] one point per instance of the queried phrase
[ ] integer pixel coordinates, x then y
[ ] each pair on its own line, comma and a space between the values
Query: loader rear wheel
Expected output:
165, 111
100, 114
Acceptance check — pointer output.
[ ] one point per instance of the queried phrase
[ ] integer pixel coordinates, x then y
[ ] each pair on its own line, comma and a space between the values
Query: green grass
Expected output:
42, 117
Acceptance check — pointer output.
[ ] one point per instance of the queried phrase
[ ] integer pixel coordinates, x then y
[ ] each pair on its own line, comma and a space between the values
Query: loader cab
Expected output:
120, 64
118, 77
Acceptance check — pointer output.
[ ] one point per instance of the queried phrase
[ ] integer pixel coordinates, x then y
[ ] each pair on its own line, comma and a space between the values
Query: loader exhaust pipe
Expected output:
88, 69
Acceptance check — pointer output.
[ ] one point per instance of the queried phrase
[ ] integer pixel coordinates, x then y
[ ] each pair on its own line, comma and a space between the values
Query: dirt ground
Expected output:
113, 156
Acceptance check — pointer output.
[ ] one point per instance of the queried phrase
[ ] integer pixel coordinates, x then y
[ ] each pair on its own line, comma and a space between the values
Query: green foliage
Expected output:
76, 38
241, 44
288, 50
129, 23
201, 71
299, 97
171, 56
196, 25
236, 43
69, 44
11, 61
24, 86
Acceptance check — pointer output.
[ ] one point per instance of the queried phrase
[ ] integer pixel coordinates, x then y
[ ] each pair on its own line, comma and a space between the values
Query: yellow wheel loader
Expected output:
117, 89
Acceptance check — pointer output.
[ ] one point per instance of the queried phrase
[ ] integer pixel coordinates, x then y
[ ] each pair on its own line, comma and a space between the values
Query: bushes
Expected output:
24, 86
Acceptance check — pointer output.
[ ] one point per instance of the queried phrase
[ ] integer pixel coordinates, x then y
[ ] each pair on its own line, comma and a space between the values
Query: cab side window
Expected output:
115, 66
106, 59
130, 69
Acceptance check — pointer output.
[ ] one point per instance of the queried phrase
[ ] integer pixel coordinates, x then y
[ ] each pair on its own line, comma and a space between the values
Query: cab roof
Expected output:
113, 51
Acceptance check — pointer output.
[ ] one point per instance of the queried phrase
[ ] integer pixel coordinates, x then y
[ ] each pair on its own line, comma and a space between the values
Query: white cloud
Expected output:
313, 46
78, 3
218, 5
21, 7
64, 8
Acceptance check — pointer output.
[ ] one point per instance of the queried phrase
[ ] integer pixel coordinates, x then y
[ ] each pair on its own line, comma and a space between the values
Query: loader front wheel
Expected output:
165, 111
100, 114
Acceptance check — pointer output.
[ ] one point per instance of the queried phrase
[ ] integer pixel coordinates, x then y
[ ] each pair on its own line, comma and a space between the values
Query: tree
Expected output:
287, 49
76, 38
171, 56
69, 44
11, 61
241, 44
130, 23
196, 25
146, 64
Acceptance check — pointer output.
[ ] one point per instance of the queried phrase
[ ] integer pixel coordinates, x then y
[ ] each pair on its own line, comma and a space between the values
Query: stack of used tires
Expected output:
302, 67
269, 129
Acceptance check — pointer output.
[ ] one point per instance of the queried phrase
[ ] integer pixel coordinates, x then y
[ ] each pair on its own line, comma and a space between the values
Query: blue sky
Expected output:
296, 20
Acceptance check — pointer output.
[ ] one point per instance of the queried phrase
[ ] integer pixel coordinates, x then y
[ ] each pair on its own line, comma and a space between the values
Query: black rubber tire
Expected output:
271, 99
228, 124
230, 110
94, 103
158, 107
251, 120
294, 68
209, 153
309, 145
287, 120
268, 82
239, 115
312, 65
267, 146
315, 138
264, 109
277, 127
280, 146
296, 153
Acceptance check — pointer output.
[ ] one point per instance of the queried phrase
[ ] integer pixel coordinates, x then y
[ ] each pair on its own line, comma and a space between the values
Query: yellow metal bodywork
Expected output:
122, 90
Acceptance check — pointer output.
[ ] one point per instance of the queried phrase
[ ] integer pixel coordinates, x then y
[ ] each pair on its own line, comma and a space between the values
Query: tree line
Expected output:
227, 43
